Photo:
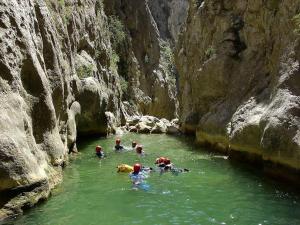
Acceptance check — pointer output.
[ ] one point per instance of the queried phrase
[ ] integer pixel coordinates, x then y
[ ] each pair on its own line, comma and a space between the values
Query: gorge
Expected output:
228, 70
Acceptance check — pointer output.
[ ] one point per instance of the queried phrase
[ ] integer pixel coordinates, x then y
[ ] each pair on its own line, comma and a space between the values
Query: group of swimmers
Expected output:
137, 172
119, 148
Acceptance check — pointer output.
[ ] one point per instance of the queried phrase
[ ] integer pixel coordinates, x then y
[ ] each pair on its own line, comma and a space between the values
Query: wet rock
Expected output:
133, 129
75, 109
149, 120
173, 129
143, 128
133, 120
159, 127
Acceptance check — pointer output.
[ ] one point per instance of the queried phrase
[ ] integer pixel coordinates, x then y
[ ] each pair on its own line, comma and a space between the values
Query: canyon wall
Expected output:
63, 74
239, 80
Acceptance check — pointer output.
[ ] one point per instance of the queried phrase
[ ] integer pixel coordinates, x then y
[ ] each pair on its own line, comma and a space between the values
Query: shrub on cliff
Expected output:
296, 20
117, 31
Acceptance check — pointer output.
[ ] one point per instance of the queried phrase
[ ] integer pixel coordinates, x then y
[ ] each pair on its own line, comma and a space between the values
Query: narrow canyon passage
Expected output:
213, 192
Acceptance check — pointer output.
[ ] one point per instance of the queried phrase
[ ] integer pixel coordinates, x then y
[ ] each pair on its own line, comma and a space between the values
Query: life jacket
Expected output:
124, 168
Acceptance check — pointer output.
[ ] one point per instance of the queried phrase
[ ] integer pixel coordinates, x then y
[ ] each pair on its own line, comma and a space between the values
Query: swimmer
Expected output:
99, 152
118, 146
133, 144
137, 176
168, 164
139, 150
160, 162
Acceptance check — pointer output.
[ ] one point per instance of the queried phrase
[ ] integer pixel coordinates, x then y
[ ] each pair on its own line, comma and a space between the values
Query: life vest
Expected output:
124, 168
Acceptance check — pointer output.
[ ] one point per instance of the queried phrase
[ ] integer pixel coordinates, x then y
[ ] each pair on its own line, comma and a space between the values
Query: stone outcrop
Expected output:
151, 124
54, 82
239, 78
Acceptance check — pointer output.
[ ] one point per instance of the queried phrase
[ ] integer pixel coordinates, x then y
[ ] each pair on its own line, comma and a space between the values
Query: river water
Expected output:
213, 192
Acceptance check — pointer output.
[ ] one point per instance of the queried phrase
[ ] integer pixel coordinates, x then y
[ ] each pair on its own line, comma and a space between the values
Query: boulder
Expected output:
159, 128
132, 121
143, 128
173, 129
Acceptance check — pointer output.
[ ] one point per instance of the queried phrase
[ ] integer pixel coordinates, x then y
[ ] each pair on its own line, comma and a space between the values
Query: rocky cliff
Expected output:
239, 79
63, 74
145, 59
170, 17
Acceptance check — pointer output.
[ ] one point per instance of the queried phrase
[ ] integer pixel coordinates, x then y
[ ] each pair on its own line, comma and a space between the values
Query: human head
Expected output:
167, 161
134, 144
139, 149
98, 148
118, 141
160, 160
137, 167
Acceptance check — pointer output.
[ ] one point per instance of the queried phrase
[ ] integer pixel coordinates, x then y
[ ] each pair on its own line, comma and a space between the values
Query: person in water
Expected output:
137, 176
166, 165
139, 150
118, 146
134, 144
99, 152
160, 162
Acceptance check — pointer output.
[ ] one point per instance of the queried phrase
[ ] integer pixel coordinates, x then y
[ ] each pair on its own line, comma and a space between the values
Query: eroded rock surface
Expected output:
43, 93
63, 75
239, 77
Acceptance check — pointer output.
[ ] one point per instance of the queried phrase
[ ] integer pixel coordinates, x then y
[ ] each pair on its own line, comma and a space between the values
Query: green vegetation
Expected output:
123, 84
114, 60
210, 51
66, 11
296, 20
167, 55
167, 60
84, 71
117, 31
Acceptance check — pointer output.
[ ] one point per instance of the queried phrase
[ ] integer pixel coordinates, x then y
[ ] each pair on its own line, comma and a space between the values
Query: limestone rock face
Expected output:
239, 77
142, 65
170, 16
63, 75
55, 82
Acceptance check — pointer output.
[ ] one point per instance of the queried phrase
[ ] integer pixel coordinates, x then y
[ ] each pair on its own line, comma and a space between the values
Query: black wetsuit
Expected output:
100, 154
119, 147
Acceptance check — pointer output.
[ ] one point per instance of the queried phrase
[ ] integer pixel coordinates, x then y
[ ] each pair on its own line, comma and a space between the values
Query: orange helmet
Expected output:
137, 167
98, 148
118, 141
160, 160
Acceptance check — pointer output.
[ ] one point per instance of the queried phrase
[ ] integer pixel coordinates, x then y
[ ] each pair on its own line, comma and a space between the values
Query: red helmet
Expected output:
137, 167
160, 160
118, 141
167, 161
98, 148
139, 149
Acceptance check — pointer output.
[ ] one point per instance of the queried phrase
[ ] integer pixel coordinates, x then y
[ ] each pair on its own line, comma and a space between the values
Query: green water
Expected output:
214, 192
